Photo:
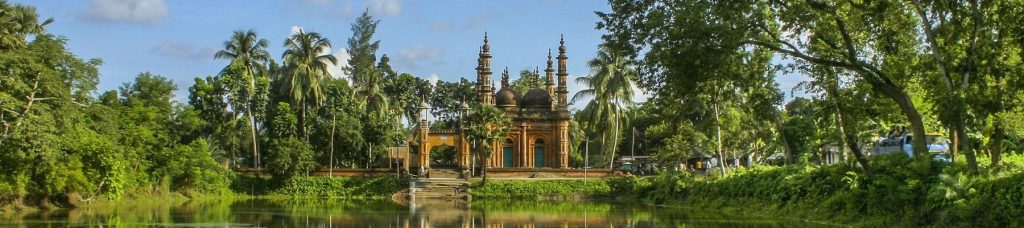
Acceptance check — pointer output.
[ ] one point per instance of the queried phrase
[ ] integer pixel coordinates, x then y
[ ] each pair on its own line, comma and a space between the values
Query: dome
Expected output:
505, 97
536, 97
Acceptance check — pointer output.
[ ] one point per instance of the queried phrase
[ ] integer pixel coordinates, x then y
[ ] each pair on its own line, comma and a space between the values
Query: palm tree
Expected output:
610, 84
17, 22
305, 65
486, 125
245, 48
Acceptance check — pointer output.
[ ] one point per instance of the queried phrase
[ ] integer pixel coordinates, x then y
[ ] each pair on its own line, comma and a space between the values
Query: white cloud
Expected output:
433, 79
412, 57
131, 11
385, 7
295, 29
184, 50
337, 71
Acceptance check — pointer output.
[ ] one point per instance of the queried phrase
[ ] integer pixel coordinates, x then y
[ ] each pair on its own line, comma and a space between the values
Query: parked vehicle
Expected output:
938, 146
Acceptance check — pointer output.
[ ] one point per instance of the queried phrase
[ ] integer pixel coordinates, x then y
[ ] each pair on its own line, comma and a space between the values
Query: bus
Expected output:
938, 146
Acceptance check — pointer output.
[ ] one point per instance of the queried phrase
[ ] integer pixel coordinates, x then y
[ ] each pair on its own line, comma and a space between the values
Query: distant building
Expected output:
539, 137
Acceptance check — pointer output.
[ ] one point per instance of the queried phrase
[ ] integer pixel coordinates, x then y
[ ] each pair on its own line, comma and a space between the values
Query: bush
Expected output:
536, 189
342, 187
900, 192
290, 157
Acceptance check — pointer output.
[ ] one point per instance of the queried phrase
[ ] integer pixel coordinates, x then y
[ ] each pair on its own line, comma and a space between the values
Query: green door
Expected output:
507, 157
538, 157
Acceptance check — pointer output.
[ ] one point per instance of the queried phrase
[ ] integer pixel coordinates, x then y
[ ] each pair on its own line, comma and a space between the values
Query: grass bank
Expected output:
544, 189
321, 187
900, 194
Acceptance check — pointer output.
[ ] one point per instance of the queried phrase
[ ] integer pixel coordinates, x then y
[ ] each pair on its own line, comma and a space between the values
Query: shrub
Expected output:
289, 157
342, 187
536, 189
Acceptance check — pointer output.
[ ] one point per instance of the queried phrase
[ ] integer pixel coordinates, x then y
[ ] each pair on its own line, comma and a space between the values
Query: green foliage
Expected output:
192, 169
289, 157
896, 193
540, 189
342, 187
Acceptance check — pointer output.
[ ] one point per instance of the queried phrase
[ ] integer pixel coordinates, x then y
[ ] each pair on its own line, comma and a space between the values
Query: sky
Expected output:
434, 40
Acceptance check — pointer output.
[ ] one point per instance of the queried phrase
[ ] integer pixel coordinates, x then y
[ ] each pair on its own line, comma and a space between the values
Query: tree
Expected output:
340, 121
18, 22
869, 40
486, 125
610, 85
251, 54
405, 92
305, 62
289, 157
446, 99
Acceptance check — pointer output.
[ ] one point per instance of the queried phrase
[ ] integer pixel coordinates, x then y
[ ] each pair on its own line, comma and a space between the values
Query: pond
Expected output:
364, 213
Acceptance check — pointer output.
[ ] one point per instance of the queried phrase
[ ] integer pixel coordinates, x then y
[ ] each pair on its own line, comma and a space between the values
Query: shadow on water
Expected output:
382, 213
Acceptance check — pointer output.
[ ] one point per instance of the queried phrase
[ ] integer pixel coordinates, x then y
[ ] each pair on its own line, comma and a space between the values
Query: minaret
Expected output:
549, 76
484, 84
504, 79
535, 80
563, 90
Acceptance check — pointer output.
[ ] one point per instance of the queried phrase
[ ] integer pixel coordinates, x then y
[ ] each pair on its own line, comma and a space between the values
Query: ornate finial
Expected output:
549, 58
504, 78
487, 46
561, 44
535, 79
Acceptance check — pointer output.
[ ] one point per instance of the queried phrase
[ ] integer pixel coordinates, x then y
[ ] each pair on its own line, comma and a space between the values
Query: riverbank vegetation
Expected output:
595, 188
62, 141
711, 71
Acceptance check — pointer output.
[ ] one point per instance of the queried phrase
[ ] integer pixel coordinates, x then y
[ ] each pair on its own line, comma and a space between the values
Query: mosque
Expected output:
539, 137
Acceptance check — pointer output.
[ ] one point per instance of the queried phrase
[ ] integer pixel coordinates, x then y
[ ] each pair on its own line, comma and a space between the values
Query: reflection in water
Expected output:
363, 213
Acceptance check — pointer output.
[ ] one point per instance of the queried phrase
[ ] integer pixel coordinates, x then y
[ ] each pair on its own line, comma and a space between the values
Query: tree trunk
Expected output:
615, 141
859, 154
920, 144
965, 145
998, 133
782, 137
302, 121
718, 129
252, 132
955, 147
842, 135
483, 168
330, 162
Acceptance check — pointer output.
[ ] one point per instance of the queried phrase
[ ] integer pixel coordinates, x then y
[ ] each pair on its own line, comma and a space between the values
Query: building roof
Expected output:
536, 98
506, 97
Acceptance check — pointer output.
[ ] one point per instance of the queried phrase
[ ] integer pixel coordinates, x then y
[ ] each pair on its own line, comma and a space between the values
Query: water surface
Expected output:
368, 213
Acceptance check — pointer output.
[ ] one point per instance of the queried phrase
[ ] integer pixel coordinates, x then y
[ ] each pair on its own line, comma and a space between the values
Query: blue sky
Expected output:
428, 39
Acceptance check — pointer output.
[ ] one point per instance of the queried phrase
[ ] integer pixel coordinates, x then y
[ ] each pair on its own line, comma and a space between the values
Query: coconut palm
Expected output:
245, 48
306, 61
17, 22
610, 85
486, 125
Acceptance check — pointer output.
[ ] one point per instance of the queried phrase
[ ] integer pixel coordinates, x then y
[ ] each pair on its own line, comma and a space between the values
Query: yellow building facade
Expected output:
539, 137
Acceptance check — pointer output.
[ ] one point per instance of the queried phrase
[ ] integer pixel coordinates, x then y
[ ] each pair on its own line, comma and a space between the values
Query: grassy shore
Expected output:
900, 193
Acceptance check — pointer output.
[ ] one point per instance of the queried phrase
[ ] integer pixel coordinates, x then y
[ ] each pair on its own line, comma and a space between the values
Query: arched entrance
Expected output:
431, 139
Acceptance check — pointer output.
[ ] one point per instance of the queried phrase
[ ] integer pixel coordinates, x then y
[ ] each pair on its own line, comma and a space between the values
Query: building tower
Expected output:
563, 90
484, 84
